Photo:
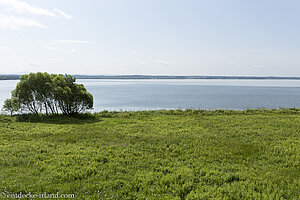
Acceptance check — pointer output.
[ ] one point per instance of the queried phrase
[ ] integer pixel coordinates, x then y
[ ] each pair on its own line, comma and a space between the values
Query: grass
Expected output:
191, 154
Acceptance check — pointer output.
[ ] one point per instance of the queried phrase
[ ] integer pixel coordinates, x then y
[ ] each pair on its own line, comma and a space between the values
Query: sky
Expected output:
151, 37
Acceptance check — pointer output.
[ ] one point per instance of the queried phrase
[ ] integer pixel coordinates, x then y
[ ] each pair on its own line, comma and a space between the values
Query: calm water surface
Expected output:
197, 94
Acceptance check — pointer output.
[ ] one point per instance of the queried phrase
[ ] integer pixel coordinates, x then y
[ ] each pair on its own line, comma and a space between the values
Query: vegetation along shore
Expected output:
175, 154
17, 77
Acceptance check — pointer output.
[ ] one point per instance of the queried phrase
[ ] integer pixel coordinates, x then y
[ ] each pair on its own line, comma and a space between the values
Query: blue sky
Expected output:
182, 37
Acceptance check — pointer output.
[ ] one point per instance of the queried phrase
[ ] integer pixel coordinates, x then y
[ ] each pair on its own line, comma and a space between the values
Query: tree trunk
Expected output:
46, 108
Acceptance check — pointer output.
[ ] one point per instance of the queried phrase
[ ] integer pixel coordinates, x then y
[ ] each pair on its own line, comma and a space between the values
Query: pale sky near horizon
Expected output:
169, 37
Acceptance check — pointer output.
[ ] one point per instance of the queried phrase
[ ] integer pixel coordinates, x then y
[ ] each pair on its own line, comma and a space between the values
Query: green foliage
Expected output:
11, 106
42, 92
82, 118
72, 98
191, 154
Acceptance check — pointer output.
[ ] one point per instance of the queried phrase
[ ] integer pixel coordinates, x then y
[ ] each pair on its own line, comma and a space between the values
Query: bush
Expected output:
44, 93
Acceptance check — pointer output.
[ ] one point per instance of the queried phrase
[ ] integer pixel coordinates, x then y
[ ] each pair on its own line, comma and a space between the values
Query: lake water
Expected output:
196, 94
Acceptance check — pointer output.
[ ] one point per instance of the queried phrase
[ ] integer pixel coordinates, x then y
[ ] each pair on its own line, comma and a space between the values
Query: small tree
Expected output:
72, 97
45, 93
11, 106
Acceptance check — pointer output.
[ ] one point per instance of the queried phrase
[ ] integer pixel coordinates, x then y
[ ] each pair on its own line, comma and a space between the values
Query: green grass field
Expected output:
192, 154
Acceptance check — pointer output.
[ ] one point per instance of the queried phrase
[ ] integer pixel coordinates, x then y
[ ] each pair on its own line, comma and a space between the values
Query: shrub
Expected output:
44, 93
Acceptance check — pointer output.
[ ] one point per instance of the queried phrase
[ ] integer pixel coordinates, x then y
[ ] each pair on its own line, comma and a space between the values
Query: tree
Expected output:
29, 92
11, 106
72, 98
45, 93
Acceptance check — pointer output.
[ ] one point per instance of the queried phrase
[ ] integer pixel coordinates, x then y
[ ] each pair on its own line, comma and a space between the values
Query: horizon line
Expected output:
138, 76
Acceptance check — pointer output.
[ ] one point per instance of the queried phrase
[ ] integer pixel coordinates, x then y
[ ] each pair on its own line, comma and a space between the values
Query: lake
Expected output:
183, 94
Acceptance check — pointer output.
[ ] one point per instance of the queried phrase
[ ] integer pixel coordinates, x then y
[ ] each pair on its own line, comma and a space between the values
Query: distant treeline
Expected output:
9, 77
177, 77
16, 77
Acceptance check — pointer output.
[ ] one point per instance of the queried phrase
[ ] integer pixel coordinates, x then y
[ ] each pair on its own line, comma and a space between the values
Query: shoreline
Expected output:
165, 77
106, 113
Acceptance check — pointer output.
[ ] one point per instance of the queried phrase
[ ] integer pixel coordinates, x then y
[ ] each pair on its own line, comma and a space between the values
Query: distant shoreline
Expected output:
135, 77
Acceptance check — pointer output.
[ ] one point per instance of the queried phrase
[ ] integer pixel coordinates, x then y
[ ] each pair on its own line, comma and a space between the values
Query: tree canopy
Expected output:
49, 93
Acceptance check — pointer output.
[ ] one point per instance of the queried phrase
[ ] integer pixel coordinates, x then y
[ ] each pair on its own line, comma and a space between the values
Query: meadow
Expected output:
176, 154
